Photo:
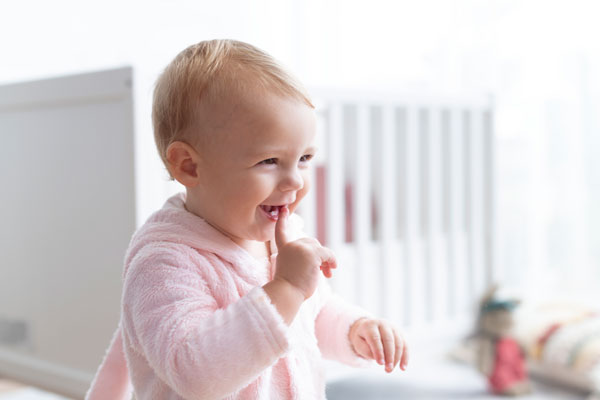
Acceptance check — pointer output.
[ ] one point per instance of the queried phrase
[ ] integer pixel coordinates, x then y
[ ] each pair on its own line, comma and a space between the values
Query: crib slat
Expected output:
401, 151
446, 207
494, 272
415, 291
343, 280
335, 178
367, 274
475, 211
390, 278
456, 227
362, 188
436, 251
308, 206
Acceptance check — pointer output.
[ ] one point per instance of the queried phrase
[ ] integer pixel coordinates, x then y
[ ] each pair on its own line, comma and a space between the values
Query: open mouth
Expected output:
272, 212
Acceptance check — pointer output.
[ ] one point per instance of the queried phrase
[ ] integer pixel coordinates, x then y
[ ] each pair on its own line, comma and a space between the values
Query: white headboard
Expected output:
67, 211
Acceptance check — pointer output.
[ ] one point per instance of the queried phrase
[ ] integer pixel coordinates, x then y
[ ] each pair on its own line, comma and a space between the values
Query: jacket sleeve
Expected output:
196, 348
112, 378
332, 327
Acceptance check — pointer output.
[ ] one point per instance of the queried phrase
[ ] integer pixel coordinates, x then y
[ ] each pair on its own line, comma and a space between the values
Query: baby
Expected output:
223, 296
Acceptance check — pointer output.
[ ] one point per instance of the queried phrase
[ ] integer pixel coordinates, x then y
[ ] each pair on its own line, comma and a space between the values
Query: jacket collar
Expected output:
173, 223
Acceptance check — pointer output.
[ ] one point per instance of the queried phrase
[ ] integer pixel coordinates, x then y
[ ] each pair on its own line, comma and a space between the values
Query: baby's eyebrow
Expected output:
270, 151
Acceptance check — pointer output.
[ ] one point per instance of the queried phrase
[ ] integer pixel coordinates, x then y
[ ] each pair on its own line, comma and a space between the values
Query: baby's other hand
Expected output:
379, 340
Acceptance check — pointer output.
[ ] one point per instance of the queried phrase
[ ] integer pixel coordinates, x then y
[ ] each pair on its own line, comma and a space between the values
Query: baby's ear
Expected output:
182, 160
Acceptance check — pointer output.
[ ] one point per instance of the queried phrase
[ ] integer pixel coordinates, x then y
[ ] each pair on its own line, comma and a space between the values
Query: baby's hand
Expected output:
379, 340
299, 262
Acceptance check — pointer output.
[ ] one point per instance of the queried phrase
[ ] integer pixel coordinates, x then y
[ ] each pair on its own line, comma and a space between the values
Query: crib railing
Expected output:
404, 196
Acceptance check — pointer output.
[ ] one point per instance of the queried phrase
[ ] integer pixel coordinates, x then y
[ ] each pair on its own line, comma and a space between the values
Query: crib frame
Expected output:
428, 161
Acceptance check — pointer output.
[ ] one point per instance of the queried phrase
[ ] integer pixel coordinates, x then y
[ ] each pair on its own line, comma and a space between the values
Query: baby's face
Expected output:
258, 163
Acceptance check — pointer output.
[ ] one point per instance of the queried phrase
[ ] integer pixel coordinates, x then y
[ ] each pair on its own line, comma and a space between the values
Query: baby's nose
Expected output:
292, 181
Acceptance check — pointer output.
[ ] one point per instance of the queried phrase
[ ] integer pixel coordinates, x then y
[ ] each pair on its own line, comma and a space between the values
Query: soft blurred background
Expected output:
539, 61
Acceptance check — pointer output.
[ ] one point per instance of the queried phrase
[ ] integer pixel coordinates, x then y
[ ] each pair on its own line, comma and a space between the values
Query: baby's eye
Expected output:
269, 161
306, 157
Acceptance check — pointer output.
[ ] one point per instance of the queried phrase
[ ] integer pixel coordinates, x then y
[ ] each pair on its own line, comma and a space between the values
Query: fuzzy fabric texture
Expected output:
196, 323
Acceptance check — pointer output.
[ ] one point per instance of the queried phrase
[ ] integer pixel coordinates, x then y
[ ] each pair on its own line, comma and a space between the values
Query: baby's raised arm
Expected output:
197, 348
298, 266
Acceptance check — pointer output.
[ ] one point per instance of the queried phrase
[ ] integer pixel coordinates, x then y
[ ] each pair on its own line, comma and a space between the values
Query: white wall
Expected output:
539, 59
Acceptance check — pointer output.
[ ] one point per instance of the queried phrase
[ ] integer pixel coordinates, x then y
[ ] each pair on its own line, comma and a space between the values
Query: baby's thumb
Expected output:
281, 227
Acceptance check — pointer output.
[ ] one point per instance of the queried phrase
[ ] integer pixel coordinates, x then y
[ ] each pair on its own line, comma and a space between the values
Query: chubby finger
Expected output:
327, 257
399, 344
328, 261
281, 237
400, 349
404, 360
373, 338
389, 347
326, 270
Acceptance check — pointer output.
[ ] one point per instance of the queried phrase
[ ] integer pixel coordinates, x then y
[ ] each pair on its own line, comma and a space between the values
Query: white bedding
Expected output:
433, 375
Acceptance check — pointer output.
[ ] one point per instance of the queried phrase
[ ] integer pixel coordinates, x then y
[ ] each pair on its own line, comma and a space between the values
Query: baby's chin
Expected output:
266, 237
262, 236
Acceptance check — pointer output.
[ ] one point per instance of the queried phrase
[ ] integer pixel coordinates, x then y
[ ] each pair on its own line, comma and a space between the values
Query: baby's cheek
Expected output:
301, 193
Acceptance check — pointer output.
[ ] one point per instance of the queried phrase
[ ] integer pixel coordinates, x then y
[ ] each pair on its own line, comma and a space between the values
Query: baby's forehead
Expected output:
246, 112
225, 129
238, 113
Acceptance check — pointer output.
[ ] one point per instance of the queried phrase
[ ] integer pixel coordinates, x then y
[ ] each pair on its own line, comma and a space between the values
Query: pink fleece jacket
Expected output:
196, 323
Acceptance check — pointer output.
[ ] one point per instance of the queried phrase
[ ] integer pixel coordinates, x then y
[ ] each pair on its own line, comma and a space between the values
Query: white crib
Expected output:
404, 196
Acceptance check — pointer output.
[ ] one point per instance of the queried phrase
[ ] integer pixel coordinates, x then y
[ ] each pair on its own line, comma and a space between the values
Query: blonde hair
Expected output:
206, 73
